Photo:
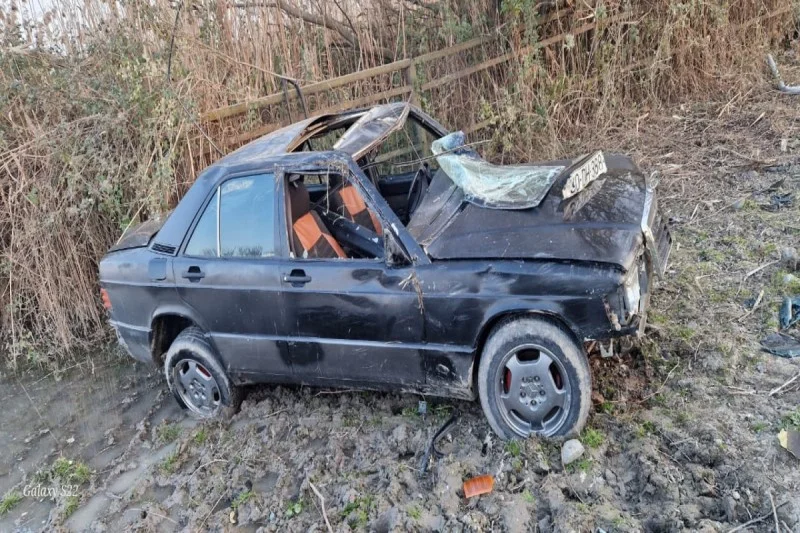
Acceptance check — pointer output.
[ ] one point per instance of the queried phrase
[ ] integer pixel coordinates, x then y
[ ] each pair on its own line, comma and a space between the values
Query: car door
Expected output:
228, 273
356, 321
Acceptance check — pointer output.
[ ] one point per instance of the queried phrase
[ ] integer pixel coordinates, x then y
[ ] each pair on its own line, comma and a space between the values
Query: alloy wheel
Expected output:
197, 387
532, 390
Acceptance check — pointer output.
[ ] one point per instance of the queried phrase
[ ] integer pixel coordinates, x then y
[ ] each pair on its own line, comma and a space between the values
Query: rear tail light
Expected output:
105, 298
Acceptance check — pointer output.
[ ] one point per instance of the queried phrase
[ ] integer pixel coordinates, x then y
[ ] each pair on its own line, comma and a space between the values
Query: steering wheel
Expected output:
415, 193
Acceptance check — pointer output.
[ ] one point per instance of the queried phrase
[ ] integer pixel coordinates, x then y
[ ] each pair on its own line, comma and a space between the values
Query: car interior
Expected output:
329, 217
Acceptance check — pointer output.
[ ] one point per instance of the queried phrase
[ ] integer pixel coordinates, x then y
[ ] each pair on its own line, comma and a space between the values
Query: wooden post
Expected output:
410, 79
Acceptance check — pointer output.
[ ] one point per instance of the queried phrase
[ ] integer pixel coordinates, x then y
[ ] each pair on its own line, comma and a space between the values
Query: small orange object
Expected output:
105, 298
478, 485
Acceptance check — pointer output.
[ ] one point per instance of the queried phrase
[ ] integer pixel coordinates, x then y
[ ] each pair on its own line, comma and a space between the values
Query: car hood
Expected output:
602, 223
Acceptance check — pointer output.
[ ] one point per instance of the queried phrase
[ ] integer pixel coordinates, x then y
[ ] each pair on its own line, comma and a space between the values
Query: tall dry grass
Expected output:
93, 135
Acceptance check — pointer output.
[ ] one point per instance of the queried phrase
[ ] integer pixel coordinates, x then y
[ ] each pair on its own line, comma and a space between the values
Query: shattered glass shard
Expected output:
488, 185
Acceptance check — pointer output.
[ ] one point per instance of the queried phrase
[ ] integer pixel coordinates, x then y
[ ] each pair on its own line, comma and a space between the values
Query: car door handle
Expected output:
297, 278
194, 274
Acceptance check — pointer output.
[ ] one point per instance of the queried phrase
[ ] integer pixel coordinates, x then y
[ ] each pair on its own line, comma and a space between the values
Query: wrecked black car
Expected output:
372, 249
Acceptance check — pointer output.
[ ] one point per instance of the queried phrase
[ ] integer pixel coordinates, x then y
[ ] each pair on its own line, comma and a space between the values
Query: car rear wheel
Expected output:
197, 380
534, 379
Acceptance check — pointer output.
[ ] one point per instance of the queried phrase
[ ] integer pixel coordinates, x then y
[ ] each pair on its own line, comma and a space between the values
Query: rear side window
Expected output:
204, 239
245, 221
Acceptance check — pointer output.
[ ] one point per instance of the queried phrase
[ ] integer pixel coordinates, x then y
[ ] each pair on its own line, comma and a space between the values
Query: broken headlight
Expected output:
631, 293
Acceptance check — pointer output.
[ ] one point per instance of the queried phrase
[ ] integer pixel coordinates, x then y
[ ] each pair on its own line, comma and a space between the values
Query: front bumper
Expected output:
653, 262
657, 238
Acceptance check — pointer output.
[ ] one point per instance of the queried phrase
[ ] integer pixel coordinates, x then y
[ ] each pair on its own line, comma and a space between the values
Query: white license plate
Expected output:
584, 175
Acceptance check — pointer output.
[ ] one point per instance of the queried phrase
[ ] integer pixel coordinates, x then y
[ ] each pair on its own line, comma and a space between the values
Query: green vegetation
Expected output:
10, 500
200, 437
527, 496
606, 407
646, 428
69, 471
593, 437
242, 498
71, 506
514, 448
791, 420
167, 432
169, 463
685, 332
584, 465
415, 512
350, 420
359, 509
410, 412
294, 509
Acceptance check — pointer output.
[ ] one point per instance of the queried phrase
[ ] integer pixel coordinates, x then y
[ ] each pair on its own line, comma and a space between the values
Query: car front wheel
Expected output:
197, 380
534, 379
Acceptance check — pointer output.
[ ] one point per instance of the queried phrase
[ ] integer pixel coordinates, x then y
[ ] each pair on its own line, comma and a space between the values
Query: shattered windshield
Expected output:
488, 185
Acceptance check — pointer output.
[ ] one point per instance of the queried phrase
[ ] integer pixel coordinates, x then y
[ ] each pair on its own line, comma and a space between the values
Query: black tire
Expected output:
537, 349
192, 358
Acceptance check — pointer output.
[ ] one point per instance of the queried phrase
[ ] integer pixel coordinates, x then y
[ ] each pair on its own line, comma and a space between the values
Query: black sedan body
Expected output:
412, 303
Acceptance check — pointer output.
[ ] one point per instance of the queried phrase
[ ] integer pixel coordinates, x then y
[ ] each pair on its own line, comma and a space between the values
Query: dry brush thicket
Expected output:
93, 135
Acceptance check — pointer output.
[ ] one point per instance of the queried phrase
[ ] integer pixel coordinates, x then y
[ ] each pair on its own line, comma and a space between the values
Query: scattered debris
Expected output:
776, 390
322, 504
779, 83
778, 201
431, 449
790, 312
790, 439
478, 485
751, 304
789, 258
571, 451
781, 344
607, 353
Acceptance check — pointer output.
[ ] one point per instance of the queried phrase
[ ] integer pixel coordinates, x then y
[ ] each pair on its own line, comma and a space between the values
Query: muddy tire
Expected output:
533, 379
197, 379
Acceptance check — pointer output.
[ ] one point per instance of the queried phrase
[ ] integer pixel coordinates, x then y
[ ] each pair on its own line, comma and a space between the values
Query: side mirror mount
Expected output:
395, 254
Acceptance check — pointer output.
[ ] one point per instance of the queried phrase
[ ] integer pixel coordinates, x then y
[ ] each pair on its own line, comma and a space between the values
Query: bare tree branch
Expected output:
323, 20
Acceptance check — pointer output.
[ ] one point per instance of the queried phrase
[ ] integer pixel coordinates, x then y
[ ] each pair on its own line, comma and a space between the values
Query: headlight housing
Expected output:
631, 293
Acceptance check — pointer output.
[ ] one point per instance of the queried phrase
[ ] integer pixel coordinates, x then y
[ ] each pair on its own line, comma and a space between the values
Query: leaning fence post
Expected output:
410, 79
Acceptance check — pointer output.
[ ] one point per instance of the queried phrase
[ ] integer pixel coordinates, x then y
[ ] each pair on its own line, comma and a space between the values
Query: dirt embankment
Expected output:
682, 437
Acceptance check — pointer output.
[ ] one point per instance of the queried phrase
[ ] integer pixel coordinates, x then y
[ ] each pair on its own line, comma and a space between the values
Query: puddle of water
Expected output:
127, 480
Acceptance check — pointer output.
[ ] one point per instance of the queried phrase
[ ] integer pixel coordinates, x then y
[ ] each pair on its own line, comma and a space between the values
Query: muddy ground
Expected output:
682, 436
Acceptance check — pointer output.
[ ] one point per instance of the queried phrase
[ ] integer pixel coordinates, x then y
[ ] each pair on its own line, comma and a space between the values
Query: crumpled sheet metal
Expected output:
790, 312
488, 185
779, 343
372, 128
782, 345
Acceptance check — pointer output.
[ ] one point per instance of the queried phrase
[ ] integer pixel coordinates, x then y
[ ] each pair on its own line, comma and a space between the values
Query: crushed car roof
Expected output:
365, 129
